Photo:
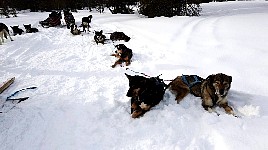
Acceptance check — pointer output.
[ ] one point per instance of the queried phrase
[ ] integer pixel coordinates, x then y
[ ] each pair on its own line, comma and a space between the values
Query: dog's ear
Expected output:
101, 31
210, 79
230, 78
128, 76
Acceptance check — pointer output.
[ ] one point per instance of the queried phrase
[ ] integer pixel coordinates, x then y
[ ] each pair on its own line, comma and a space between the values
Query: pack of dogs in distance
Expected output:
145, 92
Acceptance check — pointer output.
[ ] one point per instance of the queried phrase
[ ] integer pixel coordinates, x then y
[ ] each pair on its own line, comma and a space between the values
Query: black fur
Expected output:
116, 36
16, 30
69, 18
29, 29
149, 91
85, 23
99, 37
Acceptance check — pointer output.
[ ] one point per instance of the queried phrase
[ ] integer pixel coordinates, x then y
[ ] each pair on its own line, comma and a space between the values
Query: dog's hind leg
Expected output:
6, 33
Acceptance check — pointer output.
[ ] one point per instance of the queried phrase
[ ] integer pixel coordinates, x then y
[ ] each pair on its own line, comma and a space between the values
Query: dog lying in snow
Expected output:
99, 37
4, 32
29, 29
123, 54
145, 93
74, 30
16, 30
117, 36
213, 90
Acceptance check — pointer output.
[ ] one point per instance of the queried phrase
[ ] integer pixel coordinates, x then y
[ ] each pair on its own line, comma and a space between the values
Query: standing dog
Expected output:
99, 37
117, 36
74, 30
16, 30
123, 54
85, 23
145, 93
214, 92
4, 32
29, 29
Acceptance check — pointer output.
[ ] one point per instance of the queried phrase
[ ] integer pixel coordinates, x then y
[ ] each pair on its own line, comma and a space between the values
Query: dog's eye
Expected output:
226, 84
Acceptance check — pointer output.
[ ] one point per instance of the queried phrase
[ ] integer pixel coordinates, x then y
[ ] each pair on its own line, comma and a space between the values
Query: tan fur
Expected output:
2, 34
214, 92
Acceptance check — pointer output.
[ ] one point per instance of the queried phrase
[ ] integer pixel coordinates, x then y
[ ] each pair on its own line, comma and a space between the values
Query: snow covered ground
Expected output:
80, 101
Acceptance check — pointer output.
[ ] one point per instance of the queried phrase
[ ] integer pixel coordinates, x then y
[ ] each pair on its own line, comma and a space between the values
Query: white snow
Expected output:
80, 101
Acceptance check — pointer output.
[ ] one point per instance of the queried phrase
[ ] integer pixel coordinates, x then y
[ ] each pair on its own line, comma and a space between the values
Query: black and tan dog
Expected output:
123, 54
99, 37
4, 32
213, 90
117, 36
16, 30
29, 29
145, 93
86, 23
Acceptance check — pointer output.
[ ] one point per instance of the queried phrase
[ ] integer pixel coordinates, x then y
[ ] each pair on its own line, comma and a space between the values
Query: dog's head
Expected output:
98, 33
136, 85
120, 48
221, 83
27, 26
15, 27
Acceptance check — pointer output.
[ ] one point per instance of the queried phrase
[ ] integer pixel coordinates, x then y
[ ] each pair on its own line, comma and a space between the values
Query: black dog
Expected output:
99, 37
85, 23
123, 54
29, 29
69, 18
4, 31
16, 30
116, 36
145, 93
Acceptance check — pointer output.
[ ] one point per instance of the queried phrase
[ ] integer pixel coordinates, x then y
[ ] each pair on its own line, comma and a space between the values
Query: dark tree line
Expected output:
150, 8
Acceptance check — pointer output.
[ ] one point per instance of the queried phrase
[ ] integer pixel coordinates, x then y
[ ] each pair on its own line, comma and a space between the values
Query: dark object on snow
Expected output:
145, 93
53, 20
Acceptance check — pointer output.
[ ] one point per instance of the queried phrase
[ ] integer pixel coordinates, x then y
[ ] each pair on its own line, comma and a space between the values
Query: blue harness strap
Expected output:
190, 85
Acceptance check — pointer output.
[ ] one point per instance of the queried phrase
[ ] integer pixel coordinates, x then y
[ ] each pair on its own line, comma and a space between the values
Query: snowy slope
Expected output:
80, 101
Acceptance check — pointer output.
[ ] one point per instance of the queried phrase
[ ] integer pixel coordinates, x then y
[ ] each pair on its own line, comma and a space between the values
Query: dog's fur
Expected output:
4, 32
99, 37
182, 89
123, 54
16, 30
29, 29
213, 90
117, 36
145, 93
85, 23
74, 30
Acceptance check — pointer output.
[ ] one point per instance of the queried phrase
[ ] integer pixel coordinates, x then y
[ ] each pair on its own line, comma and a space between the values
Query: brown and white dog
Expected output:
213, 90
4, 32
75, 30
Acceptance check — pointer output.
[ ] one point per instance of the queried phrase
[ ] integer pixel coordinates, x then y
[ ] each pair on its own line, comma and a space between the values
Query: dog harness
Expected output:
190, 85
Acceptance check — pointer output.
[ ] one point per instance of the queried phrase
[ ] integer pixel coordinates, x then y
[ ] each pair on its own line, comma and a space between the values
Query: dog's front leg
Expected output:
116, 63
227, 108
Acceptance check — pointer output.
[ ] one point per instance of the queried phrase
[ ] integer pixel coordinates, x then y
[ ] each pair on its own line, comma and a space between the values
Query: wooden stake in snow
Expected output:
6, 84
